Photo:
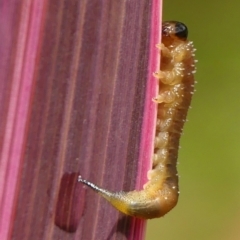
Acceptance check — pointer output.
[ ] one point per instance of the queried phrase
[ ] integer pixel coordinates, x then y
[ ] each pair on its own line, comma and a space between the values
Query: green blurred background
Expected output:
209, 205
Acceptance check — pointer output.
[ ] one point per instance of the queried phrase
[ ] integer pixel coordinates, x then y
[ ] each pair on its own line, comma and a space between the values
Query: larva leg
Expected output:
171, 77
164, 50
165, 97
159, 74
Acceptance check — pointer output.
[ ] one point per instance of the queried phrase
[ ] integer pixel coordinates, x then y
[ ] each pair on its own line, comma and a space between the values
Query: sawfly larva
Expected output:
176, 84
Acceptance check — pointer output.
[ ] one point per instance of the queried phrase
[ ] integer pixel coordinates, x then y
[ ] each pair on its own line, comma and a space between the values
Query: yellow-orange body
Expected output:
176, 80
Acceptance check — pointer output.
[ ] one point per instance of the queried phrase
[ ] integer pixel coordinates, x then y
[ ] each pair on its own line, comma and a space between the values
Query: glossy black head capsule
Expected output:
174, 30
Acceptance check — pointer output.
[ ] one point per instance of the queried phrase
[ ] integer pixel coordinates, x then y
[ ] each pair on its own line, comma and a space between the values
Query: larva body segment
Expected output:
160, 193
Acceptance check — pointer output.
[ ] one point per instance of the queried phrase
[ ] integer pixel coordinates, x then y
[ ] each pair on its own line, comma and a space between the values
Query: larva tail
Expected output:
116, 199
145, 204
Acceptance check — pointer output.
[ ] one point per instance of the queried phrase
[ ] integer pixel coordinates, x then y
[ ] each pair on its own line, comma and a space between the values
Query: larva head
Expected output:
173, 31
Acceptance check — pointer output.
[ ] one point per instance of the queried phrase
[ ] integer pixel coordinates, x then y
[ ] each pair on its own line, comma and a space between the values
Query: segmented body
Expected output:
176, 84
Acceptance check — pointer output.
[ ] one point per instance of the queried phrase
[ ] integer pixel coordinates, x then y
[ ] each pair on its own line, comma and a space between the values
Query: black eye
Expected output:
181, 30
